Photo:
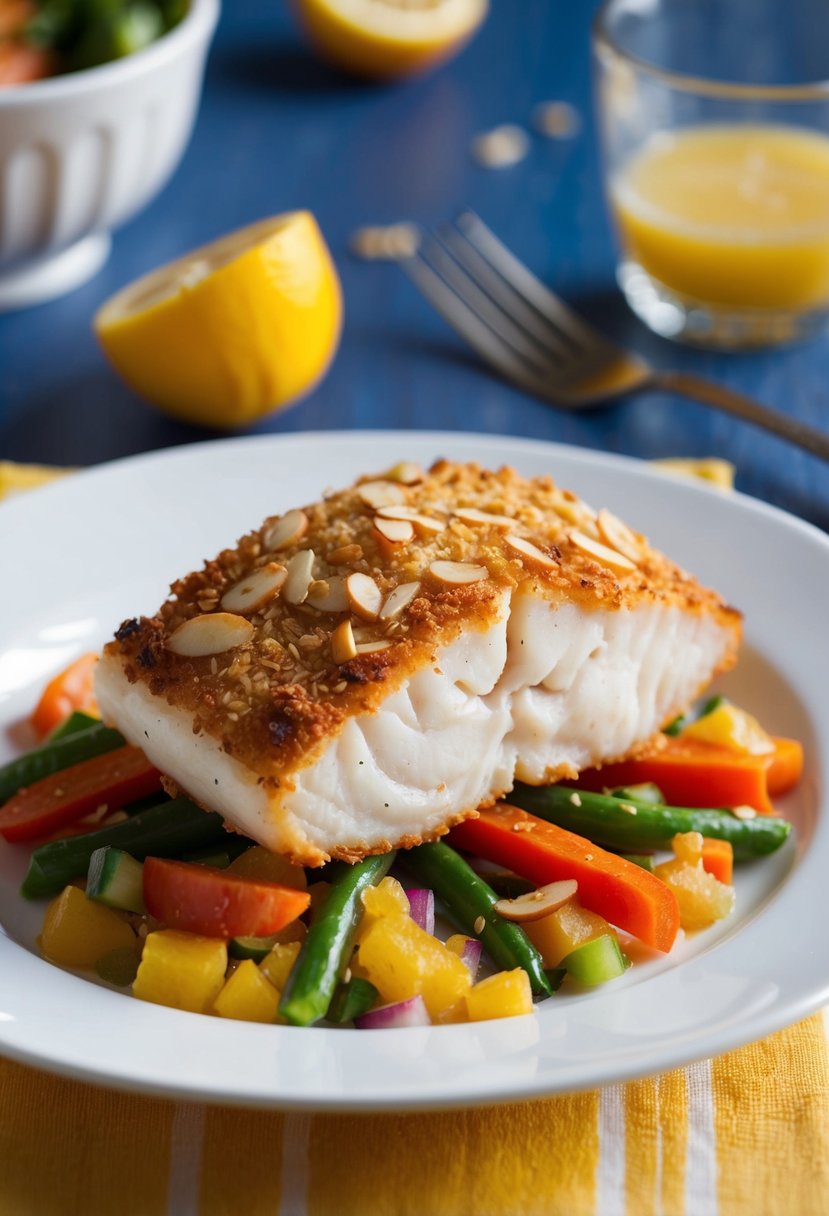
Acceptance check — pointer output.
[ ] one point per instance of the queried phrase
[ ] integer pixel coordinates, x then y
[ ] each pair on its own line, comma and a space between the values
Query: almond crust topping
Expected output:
213, 633
601, 553
300, 575
457, 574
252, 593
529, 551
343, 646
377, 494
395, 531
619, 536
285, 531
365, 598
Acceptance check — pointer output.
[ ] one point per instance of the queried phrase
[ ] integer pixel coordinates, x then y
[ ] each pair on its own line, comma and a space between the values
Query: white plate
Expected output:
79, 556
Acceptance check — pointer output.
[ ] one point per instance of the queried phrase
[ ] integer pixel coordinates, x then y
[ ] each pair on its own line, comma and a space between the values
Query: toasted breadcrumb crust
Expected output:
275, 702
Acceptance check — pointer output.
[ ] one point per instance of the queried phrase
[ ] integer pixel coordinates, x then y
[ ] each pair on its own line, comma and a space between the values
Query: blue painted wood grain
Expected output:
278, 130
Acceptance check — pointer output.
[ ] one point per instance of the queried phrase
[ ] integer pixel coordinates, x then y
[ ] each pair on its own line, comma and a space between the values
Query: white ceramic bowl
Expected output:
81, 153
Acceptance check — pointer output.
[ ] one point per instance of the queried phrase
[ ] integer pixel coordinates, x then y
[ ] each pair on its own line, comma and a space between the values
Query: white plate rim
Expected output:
510, 1055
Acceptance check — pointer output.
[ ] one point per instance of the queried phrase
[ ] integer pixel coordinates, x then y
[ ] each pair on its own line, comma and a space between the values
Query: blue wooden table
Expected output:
277, 131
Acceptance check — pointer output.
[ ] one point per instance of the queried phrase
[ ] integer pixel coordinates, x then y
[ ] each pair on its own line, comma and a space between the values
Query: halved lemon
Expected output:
235, 329
385, 38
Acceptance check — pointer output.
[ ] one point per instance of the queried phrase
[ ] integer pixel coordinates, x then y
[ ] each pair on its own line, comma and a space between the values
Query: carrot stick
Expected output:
70, 689
113, 779
622, 892
718, 859
785, 767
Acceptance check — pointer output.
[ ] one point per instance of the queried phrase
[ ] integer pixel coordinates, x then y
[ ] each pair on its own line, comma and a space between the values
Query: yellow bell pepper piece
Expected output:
386, 899
266, 866
730, 726
571, 925
248, 995
702, 898
402, 960
505, 995
277, 966
77, 931
181, 970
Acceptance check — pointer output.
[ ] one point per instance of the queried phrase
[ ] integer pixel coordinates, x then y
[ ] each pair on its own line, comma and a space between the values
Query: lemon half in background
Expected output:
233, 330
387, 38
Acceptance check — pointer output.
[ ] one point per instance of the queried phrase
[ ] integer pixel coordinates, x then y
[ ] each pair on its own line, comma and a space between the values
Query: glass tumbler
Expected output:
714, 121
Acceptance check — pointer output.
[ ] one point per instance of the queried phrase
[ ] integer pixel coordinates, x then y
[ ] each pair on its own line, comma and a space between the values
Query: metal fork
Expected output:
534, 339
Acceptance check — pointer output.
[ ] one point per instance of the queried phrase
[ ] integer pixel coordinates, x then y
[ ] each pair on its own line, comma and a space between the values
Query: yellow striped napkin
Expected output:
746, 1134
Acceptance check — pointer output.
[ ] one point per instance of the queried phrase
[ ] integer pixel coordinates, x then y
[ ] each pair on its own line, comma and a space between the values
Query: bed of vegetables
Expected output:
41, 38
155, 896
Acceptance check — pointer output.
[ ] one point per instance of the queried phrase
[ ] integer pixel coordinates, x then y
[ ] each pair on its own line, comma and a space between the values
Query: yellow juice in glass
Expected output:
731, 215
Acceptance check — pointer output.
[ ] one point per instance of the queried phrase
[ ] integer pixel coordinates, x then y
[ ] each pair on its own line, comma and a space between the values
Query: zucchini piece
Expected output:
256, 948
596, 962
116, 879
351, 1000
166, 830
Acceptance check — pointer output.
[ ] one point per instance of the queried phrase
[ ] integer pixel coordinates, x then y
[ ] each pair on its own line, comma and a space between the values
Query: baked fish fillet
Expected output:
364, 672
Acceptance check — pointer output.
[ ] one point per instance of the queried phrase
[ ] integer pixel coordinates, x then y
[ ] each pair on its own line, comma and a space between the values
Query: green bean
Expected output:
167, 830
77, 721
56, 755
470, 903
327, 948
603, 819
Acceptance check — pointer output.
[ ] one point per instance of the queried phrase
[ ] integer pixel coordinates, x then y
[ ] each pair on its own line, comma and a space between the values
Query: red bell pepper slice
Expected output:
214, 903
692, 773
112, 780
619, 890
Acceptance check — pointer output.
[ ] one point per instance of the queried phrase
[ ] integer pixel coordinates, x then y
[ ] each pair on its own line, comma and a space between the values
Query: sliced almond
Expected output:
300, 577
210, 634
399, 599
619, 536
381, 493
406, 472
329, 595
456, 574
425, 525
395, 531
345, 555
526, 549
252, 593
365, 598
343, 646
537, 904
601, 553
471, 515
291, 527
373, 647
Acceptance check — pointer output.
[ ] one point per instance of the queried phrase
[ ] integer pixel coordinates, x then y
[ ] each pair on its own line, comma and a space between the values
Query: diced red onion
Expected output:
422, 907
412, 1012
471, 955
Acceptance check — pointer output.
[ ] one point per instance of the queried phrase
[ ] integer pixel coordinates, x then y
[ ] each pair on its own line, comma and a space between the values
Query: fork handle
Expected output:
730, 402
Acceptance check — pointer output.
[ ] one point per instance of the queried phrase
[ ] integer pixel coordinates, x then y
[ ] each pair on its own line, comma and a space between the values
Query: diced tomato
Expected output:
214, 903
112, 780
